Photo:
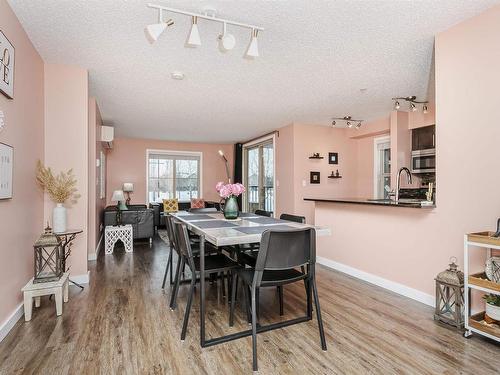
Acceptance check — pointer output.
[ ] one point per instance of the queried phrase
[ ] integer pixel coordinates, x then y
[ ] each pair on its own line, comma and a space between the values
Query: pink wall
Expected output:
96, 204
410, 246
66, 146
285, 187
21, 218
126, 162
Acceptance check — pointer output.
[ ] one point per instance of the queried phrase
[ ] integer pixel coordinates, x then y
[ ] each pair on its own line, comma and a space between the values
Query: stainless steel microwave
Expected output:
423, 161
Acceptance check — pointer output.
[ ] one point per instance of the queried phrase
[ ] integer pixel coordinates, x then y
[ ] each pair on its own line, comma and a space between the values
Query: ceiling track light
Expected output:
413, 103
194, 39
227, 41
154, 30
348, 121
253, 48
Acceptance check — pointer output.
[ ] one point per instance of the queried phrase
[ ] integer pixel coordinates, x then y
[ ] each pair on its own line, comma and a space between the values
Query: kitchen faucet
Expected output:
398, 181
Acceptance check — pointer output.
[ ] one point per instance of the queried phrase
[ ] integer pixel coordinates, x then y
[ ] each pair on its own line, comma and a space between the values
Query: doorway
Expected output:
258, 175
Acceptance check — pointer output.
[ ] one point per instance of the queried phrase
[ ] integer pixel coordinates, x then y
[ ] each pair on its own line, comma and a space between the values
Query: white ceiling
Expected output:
315, 58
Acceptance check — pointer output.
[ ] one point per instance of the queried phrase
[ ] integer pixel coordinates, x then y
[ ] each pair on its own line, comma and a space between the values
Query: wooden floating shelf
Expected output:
316, 157
480, 279
334, 176
477, 321
484, 238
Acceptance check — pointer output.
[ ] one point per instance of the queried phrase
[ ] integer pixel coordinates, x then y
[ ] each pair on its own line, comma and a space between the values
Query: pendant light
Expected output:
194, 39
253, 48
154, 30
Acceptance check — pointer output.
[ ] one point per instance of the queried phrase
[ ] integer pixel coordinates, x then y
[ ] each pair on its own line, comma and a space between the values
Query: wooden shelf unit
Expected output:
330, 176
316, 157
478, 281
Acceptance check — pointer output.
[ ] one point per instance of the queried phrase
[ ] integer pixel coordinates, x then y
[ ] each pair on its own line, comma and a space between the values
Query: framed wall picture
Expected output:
333, 158
7, 56
315, 178
6, 170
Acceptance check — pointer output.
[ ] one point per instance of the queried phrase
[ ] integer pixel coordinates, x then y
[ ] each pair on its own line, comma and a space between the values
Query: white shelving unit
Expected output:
478, 241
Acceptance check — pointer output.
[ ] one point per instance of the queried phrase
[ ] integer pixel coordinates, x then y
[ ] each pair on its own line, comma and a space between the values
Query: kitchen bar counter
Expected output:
408, 203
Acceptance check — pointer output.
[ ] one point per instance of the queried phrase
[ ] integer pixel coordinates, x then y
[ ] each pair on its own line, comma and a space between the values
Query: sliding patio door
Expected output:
258, 172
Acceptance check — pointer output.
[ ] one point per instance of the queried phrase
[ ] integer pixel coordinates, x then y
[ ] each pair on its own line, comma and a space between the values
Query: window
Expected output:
173, 175
382, 167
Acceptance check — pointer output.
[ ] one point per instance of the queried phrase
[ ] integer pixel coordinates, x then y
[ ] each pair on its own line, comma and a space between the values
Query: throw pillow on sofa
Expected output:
197, 203
170, 205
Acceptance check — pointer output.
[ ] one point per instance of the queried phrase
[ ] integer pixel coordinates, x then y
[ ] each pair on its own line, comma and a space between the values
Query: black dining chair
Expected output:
174, 249
214, 264
281, 253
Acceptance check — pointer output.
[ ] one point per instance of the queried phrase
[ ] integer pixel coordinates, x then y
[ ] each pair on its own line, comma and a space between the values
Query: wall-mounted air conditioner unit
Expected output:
107, 136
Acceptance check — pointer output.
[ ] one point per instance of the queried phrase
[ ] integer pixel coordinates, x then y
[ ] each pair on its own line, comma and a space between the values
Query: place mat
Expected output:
196, 217
265, 220
260, 229
214, 224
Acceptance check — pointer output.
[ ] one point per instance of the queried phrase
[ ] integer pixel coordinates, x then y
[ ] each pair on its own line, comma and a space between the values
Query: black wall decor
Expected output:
333, 158
315, 178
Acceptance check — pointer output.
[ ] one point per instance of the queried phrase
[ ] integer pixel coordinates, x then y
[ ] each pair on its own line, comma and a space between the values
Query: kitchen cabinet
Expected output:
423, 138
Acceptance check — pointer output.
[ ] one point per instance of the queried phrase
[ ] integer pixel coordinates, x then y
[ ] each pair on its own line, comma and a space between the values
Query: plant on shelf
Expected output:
61, 188
228, 193
492, 306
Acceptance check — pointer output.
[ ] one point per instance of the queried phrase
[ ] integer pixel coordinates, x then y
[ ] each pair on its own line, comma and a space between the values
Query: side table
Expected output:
113, 233
33, 290
66, 239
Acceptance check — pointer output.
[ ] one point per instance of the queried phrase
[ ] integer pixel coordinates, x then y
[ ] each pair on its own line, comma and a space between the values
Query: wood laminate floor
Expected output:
121, 324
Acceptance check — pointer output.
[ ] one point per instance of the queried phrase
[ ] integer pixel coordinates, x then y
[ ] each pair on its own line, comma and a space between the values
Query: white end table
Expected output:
114, 233
33, 290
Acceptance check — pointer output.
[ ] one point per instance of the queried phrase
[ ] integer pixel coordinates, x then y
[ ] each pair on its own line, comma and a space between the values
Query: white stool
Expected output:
120, 232
32, 290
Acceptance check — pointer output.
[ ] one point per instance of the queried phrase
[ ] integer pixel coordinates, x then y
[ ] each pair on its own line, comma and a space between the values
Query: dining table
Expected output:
246, 229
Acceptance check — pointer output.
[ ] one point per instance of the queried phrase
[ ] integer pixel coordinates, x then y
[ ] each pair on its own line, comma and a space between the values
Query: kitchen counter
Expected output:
408, 203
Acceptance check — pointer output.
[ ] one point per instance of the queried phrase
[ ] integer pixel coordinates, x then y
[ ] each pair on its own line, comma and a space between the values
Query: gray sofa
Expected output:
138, 215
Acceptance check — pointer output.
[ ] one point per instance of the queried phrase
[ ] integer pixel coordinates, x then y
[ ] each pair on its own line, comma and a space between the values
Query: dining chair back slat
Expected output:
294, 218
286, 249
263, 213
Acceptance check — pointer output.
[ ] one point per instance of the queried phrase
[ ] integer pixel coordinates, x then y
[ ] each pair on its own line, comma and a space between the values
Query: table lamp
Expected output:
128, 188
119, 198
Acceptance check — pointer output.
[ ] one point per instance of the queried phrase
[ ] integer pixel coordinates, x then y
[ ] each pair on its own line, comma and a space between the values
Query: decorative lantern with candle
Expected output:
49, 257
450, 296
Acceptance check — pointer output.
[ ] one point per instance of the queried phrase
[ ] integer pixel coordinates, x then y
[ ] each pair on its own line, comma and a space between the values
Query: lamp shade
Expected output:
128, 187
194, 35
253, 48
154, 31
118, 196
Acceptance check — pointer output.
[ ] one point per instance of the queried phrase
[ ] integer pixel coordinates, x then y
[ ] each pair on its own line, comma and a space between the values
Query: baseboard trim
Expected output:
93, 256
11, 321
393, 286
81, 279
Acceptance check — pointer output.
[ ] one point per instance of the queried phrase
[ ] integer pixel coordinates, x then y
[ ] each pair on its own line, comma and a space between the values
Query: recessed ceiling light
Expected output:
177, 75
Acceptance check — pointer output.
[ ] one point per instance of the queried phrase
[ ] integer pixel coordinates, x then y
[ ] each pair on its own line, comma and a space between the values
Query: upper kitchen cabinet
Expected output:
423, 138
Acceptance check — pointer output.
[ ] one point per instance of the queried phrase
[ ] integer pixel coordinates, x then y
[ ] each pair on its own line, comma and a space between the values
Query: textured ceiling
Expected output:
315, 58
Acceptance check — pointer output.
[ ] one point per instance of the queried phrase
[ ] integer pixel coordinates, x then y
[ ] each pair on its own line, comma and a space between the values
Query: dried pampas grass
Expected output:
61, 188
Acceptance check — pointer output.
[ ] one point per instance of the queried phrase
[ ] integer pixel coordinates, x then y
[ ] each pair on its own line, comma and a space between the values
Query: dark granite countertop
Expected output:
408, 203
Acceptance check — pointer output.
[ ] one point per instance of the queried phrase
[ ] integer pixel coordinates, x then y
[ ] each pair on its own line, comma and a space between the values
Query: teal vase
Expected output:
231, 210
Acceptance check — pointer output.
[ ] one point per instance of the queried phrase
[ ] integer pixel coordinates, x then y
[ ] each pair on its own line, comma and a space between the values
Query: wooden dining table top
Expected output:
248, 228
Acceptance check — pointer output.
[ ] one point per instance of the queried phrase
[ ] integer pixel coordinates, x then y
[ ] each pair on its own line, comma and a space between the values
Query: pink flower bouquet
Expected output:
228, 190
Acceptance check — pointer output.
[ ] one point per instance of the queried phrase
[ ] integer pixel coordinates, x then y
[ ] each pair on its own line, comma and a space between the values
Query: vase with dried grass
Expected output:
61, 188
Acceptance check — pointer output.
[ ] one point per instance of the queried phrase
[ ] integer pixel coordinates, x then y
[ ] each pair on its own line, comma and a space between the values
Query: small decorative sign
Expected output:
333, 158
7, 55
6, 159
315, 178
